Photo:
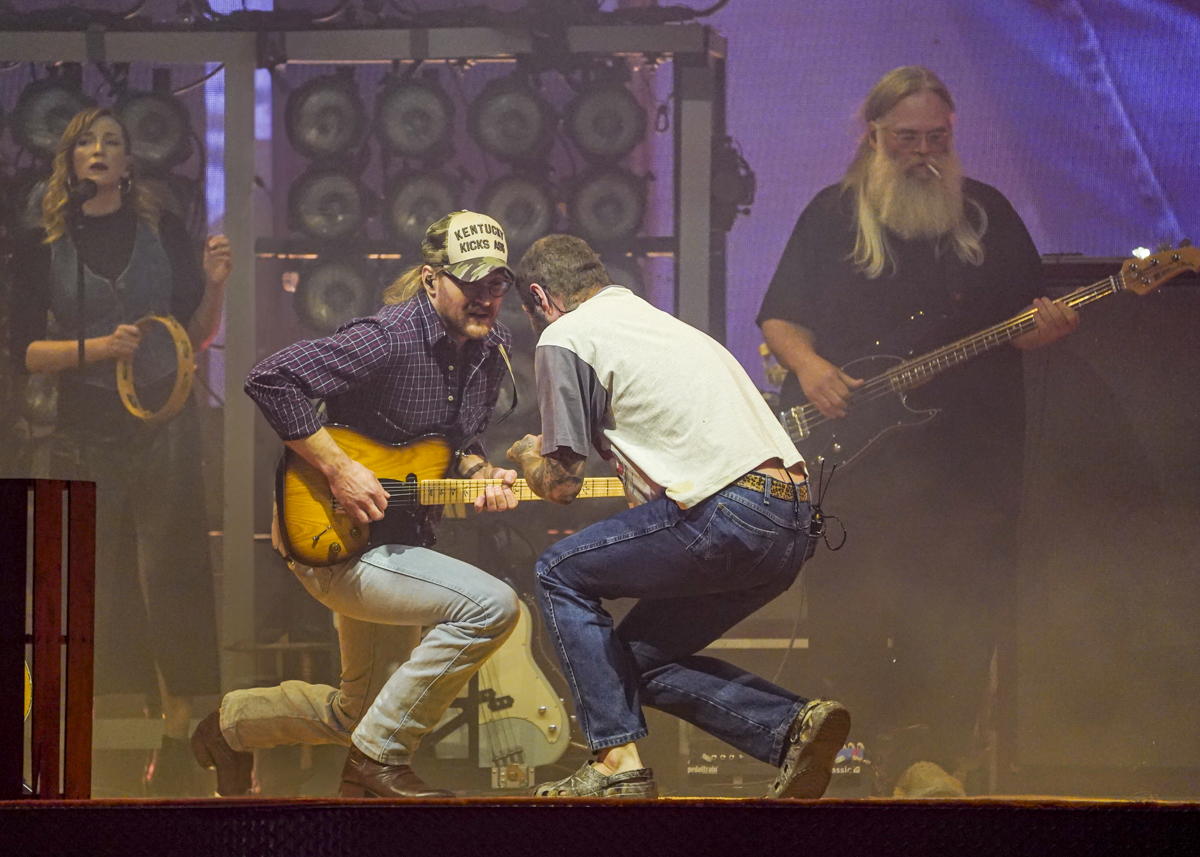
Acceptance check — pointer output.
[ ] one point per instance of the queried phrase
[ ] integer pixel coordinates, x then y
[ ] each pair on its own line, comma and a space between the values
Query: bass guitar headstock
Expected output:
1142, 276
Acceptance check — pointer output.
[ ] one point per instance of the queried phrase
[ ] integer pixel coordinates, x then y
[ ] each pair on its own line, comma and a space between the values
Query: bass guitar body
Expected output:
317, 530
842, 441
522, 722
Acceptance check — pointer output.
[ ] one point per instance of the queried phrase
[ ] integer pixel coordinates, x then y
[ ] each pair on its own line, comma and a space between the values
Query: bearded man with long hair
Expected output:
902, 256
155, 613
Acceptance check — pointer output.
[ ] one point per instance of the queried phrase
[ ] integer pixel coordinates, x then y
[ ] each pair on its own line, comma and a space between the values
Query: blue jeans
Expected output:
388, 699
697, 573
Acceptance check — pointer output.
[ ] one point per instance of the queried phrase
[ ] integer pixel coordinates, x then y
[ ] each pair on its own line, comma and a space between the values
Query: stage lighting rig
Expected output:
24, 199
625, 271
512, 121
605, 122
414, 118
159, 129
327, 203
331, 292
415, 200
180, 195
324, 116
523, 204
43, 112
607, 205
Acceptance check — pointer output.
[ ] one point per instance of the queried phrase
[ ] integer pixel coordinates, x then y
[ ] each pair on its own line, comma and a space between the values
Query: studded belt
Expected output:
756, 481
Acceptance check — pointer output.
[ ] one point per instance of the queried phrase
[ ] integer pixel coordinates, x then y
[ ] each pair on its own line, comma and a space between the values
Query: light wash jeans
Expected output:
697, 573
382, 600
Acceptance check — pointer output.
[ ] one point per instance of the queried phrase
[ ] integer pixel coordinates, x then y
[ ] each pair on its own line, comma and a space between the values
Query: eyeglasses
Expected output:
939, 138
495, 288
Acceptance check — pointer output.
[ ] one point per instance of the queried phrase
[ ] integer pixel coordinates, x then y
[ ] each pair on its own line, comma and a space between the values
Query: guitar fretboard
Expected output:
800, 420
438, 492
921, 369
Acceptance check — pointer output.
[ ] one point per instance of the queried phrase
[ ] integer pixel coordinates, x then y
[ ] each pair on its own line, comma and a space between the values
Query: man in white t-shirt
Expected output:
719, 527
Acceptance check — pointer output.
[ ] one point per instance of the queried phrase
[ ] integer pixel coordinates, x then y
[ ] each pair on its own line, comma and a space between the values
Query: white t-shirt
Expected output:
672, 405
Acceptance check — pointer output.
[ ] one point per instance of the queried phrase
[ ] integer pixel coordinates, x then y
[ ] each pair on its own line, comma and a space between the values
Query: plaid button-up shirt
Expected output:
393, 376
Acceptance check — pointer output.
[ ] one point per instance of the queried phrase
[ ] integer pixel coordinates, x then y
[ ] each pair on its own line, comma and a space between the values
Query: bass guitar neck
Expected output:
878, 406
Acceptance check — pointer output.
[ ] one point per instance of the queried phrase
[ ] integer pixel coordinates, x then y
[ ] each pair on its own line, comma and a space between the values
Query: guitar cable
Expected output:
817, 530
817, 527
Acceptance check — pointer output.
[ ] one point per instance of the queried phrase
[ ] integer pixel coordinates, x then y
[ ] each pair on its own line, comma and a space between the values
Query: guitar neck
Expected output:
438, 492
920, 369
1140, 276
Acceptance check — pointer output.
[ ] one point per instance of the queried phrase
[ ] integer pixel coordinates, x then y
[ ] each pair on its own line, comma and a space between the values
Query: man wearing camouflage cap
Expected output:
429, 361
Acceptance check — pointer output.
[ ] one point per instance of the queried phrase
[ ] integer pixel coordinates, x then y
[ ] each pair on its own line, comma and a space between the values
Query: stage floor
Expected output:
1048, 827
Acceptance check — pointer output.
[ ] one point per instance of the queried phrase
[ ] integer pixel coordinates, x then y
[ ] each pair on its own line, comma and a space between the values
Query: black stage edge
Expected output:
529, 826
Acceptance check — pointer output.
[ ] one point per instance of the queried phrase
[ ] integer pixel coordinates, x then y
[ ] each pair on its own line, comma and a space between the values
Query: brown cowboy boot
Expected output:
364, 777
211, 750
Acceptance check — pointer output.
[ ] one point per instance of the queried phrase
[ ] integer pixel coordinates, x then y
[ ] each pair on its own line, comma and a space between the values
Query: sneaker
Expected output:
589, 782
816, 736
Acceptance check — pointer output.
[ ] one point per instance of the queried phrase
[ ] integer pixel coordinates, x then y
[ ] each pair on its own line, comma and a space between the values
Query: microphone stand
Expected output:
83, 190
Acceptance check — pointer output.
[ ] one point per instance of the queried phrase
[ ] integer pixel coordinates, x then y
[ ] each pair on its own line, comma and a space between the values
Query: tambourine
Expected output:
185, 361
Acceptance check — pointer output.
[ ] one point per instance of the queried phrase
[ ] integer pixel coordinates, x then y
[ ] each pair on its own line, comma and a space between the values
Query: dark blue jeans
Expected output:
697, 573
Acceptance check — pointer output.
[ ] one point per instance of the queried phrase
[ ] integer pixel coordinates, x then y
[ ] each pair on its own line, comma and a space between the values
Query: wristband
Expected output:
474, 470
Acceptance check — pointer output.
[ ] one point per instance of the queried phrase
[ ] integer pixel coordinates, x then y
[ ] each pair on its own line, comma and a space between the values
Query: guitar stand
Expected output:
504, 773
31, 513
468, 716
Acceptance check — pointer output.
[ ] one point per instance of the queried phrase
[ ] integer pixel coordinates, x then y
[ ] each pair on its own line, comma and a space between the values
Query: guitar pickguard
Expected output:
320, 533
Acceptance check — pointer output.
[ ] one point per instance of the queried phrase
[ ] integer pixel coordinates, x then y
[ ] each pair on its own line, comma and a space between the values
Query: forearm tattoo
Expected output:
556, 477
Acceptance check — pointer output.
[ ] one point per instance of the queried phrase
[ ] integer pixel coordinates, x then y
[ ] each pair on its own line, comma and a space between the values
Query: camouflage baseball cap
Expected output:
475, 246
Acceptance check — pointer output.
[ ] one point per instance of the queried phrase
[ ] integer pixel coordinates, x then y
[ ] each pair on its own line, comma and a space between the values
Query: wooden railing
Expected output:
36, 528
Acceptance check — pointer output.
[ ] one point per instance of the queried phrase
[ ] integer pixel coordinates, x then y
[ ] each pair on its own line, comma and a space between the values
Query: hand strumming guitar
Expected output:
354, 486
826, 386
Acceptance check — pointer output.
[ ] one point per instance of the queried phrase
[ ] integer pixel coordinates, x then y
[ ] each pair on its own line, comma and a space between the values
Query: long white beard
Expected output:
916, 207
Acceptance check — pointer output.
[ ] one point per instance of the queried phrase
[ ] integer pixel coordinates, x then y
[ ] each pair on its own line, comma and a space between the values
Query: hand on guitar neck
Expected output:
829, 388
1054, 320
495, 498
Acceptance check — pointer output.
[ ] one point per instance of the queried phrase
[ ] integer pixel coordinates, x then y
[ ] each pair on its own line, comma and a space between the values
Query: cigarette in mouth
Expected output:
934, 170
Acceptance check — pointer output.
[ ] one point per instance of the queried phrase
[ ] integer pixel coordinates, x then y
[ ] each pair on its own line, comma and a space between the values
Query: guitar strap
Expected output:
512, 375
512, 407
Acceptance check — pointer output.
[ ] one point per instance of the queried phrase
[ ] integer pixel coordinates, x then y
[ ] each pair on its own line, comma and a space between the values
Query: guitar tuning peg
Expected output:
1163, 247
1186, 242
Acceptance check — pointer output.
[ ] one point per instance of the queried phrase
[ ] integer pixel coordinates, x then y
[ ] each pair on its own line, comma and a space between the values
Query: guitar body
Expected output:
843, 440
317, 533
522, 721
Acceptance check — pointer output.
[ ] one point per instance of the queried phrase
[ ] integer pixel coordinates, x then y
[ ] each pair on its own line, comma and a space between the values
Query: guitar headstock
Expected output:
1142, 276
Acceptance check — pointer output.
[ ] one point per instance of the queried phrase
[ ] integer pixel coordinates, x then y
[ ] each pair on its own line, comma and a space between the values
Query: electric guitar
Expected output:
879, 405
318, 532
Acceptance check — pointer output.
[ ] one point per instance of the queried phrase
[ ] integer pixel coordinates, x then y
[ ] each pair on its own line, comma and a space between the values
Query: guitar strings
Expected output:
807, 416
501, 735
455, 489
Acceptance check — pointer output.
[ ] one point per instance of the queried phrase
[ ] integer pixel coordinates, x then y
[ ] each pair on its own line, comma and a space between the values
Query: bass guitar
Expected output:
318, 532
879, 406
523, 724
